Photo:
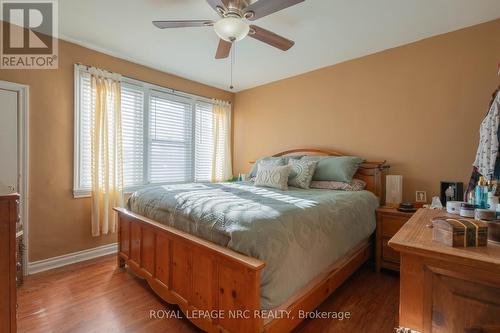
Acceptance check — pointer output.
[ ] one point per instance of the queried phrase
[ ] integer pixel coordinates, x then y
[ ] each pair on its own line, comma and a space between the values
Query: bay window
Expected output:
167, 136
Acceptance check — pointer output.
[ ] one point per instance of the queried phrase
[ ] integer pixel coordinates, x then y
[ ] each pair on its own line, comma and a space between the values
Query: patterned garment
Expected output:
487, 151
301, 173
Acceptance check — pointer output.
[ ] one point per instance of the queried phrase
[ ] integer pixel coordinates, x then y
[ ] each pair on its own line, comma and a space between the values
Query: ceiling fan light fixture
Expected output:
231, 29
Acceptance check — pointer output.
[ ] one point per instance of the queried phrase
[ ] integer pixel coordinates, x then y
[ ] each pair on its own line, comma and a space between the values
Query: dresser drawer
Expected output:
392, 224
388, 253
389, 221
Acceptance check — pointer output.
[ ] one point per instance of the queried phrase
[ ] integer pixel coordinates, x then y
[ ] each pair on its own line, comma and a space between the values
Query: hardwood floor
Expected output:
96, 296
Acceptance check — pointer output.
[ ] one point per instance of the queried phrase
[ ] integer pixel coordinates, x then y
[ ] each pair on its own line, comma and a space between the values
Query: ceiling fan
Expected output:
233, 25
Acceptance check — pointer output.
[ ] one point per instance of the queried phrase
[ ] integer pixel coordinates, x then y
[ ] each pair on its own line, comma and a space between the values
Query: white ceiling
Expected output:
325, 31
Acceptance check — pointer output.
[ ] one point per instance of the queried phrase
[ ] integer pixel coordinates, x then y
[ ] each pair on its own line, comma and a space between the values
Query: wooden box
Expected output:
459, 232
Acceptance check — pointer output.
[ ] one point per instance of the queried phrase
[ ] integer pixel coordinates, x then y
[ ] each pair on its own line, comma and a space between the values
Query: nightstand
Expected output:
389, 221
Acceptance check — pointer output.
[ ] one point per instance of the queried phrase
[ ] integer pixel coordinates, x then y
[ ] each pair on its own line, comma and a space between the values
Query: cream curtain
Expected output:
106, 150
222, 169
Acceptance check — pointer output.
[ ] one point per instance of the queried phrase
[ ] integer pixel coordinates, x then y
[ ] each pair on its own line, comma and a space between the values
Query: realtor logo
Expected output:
29, 34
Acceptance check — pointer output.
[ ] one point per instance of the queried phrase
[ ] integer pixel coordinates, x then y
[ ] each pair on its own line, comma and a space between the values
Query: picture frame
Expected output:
420, 196
456, 189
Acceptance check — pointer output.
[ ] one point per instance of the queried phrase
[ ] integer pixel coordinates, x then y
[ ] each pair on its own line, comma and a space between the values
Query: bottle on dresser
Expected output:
484, 194
481, 194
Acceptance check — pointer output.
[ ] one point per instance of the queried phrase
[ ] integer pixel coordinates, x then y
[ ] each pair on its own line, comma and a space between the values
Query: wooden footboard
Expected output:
216, 288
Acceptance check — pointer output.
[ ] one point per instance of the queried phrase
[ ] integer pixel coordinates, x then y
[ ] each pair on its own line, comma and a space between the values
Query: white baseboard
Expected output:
71, 258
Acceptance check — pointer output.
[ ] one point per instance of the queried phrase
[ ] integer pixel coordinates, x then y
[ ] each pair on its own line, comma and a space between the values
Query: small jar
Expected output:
453, 207
492, 202
467, 210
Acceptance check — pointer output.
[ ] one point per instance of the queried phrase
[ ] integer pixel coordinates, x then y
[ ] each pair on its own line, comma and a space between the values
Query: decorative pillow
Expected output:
335, 168
281, 160
273, 176
268, 160
301, 173
355, 185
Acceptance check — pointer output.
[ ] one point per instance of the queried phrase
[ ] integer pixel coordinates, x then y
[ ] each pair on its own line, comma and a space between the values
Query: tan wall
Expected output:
419, 106
58, 223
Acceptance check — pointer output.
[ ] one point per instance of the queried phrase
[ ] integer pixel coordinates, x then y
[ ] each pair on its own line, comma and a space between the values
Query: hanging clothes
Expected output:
487, 162
487, 151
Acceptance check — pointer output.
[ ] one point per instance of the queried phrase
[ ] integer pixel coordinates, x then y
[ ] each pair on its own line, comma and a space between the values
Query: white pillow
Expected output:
273, 176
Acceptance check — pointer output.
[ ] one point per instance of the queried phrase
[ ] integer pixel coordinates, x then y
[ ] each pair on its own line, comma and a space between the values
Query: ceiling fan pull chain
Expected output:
233, 51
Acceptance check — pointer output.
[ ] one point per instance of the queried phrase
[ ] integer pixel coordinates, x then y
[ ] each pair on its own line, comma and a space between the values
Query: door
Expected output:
8, 141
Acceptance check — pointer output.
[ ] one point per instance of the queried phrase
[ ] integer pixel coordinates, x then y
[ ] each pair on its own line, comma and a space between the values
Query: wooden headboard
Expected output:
372, 172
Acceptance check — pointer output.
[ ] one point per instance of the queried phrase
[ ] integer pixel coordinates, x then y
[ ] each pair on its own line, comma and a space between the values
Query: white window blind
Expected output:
132, 101
171, 152
167, 138
86, 120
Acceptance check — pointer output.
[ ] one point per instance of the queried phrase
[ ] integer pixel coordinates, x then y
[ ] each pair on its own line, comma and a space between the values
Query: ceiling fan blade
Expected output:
183, 24
263, 8
270, 38
223, 49
223, 4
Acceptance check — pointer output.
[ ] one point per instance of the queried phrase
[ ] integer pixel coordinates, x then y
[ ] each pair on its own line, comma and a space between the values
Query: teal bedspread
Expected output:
297, 233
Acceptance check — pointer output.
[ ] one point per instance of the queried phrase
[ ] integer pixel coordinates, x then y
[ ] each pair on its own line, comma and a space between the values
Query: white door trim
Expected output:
23, 158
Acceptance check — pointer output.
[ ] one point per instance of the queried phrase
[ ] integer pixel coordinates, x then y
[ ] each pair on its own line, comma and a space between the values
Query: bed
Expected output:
238, 258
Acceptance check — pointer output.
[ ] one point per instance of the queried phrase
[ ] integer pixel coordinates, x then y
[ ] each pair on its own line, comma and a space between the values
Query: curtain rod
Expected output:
173, 91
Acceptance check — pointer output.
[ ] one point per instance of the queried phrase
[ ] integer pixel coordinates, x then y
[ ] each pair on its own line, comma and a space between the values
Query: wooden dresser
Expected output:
446, 289
8, 220
389, 221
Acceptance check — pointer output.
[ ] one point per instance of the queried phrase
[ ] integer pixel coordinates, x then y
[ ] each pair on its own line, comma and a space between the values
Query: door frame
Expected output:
23, 159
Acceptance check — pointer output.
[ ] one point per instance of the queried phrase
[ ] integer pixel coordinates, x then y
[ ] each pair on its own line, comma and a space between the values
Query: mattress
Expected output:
298, 233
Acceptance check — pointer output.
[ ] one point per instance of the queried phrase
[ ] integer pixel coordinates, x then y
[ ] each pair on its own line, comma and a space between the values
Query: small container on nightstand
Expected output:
389, 221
